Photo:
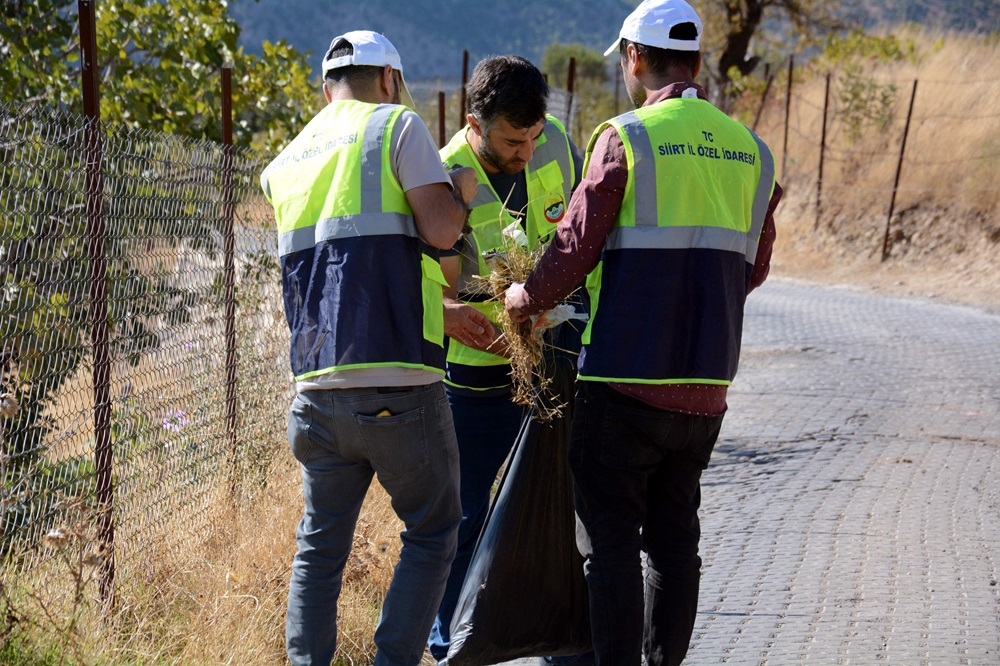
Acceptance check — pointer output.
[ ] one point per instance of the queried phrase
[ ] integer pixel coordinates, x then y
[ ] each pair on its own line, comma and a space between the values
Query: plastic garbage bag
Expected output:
525, 594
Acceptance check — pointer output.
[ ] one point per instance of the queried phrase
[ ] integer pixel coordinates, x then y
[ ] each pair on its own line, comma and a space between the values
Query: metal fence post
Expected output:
899, 168
465, 77
229, 269
97, 251
441, 128
822, 153
788, 107
763, 101
570, 80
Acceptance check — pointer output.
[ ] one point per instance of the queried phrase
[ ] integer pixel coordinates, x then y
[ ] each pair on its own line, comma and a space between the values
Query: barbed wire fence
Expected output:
882, 148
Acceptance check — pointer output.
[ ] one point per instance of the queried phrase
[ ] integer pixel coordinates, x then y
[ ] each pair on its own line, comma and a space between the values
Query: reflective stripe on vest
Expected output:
694, 315
549, 175
361, 288
364, 213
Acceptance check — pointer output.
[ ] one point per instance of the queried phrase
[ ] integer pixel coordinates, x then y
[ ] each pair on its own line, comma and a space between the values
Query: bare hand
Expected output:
514, 298
466, 182
467, 325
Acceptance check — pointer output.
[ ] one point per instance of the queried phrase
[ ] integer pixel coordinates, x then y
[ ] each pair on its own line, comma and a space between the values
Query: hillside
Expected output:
431, 34
943, 240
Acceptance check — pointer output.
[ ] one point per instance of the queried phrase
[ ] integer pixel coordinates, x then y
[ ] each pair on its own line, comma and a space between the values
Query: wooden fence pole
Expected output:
899, 168
97, 251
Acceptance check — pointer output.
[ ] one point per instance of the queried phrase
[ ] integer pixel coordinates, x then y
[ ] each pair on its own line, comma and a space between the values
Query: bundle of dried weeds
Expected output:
525, 351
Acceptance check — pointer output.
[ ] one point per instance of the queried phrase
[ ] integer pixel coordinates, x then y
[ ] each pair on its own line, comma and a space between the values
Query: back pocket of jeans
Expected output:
299, 429
396, 444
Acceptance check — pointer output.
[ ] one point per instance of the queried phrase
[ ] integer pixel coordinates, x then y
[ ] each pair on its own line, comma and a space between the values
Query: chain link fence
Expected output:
183, 442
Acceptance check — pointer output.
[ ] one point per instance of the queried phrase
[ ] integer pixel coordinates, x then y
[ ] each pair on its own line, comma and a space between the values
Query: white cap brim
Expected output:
651, 22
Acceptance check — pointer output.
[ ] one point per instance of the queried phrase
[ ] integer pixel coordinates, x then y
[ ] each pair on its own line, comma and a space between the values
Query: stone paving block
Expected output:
851, 513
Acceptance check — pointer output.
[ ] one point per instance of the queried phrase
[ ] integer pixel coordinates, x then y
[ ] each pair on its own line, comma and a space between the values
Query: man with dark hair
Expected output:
526, 167
674, 224
363, 205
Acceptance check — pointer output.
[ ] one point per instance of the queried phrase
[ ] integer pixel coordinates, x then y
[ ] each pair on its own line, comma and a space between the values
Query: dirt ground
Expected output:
933, 253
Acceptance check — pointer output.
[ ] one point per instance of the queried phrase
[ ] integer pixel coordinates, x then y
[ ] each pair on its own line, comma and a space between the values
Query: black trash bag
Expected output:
524, 594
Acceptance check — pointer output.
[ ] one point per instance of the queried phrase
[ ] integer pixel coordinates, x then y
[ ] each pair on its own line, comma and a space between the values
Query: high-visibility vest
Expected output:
666, 299
361, 289
550, 178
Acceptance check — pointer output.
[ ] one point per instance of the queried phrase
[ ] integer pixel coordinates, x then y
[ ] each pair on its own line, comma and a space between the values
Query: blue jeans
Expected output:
637, 486
486, 428
341, 443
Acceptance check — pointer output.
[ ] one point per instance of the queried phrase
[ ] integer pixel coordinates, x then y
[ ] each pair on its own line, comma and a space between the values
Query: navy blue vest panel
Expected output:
479, 376
349, 302
668, 313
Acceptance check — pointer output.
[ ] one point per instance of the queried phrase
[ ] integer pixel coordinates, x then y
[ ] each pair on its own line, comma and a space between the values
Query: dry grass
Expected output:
524, 349
952, 145
234, 592
944, 236
211, 595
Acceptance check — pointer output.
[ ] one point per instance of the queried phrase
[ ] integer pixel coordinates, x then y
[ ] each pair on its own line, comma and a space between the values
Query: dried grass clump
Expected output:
514, 264
526, 351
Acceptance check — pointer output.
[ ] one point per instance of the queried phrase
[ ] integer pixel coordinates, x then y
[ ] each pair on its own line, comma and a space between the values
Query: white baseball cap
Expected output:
370, 48
652, 21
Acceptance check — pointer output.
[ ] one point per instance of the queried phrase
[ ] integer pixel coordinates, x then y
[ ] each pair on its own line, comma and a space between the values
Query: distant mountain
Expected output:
432, 34
962, 15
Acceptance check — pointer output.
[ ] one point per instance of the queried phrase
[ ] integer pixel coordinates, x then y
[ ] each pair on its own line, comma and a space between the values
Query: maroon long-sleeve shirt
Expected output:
575, 251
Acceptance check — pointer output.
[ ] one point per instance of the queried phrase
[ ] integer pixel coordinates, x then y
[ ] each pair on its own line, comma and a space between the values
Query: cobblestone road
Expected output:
851, 513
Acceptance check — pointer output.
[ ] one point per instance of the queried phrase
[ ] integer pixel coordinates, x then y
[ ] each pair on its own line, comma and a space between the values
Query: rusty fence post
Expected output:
822, 152
97, 252
899, 168
570, 80
465, 77
441, 129
229, 244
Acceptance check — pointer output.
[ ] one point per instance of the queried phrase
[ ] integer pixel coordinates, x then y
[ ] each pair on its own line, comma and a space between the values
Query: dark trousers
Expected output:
636, 479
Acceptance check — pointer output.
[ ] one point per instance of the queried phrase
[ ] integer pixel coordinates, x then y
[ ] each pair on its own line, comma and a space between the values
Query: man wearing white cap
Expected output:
673, 226
363, 205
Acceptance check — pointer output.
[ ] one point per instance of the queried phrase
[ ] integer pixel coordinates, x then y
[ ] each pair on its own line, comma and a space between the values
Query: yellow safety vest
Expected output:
666, 300
361, 289
550, 178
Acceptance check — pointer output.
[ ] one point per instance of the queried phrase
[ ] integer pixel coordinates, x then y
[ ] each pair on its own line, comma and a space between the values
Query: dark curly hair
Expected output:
509, 87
